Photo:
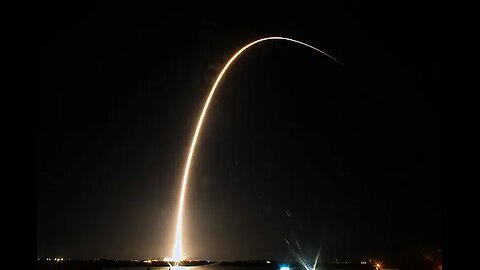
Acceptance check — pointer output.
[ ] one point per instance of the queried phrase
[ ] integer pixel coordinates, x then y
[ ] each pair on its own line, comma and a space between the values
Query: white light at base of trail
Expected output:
177, 248
176, 267
284, 268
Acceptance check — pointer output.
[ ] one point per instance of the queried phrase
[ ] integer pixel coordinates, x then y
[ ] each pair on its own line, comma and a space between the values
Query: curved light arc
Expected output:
177, 250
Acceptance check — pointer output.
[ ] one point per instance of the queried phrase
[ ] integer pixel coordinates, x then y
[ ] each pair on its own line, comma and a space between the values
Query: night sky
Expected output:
353, 153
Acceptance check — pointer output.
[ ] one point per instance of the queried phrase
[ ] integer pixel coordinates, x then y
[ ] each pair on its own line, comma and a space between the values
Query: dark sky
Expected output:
354, 153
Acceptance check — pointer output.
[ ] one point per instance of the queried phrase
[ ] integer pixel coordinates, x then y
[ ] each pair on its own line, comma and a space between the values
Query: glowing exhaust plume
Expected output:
177, 250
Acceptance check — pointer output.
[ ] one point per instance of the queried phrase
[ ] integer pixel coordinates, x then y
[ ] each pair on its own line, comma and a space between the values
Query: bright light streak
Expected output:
284, 267
316, 260
177, 249
301, 260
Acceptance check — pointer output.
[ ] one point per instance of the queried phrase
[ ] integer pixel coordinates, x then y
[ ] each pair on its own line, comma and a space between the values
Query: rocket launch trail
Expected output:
177, 249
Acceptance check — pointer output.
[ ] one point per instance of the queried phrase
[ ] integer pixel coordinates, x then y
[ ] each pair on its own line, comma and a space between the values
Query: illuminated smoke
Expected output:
177, 249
